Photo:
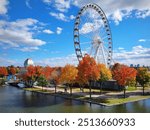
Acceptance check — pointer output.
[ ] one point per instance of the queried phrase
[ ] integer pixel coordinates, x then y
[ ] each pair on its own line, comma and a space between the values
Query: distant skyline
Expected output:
43, 30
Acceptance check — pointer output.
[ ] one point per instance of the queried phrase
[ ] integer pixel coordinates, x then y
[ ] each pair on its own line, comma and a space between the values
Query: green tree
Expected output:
42, 82
143, 77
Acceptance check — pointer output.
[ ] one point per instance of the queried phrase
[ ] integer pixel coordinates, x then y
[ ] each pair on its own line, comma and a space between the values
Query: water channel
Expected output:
14, 100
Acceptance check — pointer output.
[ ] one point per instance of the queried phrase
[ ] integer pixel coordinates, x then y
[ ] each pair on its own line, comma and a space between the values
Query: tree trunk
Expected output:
101, 87
124, 92
90, 88
143, 90
65, 88
70, 90
55, 88
81, 89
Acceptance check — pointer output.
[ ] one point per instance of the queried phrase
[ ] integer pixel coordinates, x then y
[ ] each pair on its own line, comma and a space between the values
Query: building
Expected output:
28, 62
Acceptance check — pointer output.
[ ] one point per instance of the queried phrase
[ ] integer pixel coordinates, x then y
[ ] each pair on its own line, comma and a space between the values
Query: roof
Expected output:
28, 62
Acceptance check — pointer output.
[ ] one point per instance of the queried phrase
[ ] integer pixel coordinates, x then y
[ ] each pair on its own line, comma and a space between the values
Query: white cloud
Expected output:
138, 55
143, 14
142, 40
59, 30
47, 1
122, 9
86, 28
72, 17
48, 31
59, 61
120, 48
62, 5
7, 62
93, 26
3, 6
28, 4
28, 49
117, 16
19, 34
59, 16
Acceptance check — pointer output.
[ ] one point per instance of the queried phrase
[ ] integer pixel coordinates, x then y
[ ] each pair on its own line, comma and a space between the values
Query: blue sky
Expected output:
43, 30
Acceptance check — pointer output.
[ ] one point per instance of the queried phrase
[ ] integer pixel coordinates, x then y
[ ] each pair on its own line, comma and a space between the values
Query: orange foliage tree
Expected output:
123, 75
68, 75
31, 75
3, 72
88, 71
55, 76
12, 70
46, 72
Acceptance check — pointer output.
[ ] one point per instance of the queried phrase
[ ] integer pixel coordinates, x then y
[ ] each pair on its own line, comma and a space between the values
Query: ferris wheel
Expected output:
92, 34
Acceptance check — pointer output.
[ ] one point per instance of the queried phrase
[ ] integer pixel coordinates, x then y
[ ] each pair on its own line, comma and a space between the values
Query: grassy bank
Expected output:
106, 101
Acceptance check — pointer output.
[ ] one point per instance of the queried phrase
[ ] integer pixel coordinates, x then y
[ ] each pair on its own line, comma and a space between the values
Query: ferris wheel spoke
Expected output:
104, 38
84, 43
87, 37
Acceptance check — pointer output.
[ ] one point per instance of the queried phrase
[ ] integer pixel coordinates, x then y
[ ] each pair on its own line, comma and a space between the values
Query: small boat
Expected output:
21, 85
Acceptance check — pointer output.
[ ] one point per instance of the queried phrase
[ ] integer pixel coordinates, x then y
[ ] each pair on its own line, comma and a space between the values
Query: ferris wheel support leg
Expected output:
103, 53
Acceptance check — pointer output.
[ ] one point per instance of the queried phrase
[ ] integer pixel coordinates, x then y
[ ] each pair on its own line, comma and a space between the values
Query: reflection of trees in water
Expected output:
141, 106
17, 100
32, 99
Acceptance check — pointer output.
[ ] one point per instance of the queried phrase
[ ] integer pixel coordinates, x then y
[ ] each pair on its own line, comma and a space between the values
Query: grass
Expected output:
98, 100
116, 101
131, 88
38, 90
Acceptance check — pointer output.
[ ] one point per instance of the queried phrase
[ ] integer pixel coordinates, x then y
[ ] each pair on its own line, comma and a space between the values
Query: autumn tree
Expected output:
55, 76
46, 72
105, 74
143, 77
88, 71
12, 70
123, 75
3, 72
30, 76
38, 71
68, 76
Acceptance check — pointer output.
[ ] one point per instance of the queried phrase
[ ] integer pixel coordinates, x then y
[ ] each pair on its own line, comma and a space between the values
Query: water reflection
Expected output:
17, 100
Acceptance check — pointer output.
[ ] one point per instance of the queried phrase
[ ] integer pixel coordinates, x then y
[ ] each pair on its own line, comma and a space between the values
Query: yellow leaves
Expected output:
105, 73
68, 74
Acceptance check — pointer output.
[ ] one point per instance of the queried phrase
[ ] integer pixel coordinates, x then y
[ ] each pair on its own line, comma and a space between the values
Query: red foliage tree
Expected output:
12, 70
47, 72
123, 75
3, 71
88, 71
30, 76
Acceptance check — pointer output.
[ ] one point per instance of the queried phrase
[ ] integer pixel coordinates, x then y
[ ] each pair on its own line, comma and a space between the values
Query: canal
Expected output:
14, 100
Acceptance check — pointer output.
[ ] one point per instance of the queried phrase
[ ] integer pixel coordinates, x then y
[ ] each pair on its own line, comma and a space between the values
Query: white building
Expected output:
28, 62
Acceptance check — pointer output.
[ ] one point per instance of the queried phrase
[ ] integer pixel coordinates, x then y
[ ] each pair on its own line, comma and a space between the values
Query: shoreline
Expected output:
81, 98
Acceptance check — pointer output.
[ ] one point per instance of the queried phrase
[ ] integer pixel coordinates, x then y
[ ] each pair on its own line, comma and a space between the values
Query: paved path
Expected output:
97, 94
